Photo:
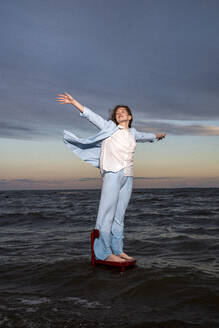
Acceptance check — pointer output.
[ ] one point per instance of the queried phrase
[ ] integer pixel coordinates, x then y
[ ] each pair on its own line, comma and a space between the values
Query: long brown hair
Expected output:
113, 113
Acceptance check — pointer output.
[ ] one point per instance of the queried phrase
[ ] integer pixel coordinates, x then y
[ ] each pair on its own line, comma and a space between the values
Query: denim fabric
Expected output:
115, 195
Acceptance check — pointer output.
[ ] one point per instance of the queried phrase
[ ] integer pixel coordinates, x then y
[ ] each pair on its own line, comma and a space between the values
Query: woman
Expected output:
111, 150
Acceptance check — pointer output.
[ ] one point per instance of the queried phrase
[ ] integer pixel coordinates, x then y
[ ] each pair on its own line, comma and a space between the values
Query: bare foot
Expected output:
126, 257
114, 258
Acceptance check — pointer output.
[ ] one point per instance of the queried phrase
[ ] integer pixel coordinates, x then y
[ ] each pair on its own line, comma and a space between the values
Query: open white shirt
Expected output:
117, 152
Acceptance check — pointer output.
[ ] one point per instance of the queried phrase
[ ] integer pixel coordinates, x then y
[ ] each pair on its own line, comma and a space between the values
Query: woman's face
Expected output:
122, 115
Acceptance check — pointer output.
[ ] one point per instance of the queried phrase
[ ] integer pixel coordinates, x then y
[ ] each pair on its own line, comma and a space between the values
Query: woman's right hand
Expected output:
65, 99
68, 99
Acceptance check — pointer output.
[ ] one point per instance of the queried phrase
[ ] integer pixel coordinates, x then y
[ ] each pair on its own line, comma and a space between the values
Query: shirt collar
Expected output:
122, 127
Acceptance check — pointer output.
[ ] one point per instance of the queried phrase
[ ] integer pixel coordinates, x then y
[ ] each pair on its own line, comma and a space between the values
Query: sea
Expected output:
46, 276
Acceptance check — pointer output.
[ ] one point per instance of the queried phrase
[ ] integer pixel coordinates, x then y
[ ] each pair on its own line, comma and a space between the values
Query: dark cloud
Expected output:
88, 179
57, 182
23, 181
21, 131
156, 178
178, 129
159, 57
135, 178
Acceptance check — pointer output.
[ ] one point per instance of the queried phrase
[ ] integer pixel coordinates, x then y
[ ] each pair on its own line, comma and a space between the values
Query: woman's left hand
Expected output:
160, 136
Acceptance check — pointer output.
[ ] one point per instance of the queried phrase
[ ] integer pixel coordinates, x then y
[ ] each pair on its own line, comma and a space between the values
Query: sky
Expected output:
161, 58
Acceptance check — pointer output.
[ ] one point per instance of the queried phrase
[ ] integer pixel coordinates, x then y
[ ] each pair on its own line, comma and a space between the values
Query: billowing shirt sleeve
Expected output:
94, 118
144, 137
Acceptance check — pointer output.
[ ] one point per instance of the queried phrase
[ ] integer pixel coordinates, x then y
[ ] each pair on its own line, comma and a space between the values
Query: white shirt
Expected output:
117, 152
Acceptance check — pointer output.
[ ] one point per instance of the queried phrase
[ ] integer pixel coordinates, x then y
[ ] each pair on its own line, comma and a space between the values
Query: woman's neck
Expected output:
125, 125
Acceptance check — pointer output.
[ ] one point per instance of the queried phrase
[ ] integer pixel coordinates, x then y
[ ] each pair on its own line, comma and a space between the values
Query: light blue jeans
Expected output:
115, 195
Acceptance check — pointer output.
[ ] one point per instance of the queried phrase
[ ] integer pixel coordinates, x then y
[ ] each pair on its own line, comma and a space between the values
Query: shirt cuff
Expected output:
84, 114
153, 137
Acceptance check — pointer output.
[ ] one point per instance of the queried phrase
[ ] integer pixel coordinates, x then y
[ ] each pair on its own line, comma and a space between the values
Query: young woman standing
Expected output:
111, 150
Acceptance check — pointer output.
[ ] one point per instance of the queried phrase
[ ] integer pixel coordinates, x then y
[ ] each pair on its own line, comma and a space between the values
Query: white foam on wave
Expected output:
30, 309
83, 302
34, 301
76, 300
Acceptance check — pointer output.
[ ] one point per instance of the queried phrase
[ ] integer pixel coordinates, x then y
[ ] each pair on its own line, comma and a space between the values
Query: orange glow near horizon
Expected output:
50, 164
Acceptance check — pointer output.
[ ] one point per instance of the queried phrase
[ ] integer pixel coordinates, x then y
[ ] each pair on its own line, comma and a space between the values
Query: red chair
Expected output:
123, 265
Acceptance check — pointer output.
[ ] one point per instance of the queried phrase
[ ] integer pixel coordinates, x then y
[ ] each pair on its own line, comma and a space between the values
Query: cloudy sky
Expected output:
160, 57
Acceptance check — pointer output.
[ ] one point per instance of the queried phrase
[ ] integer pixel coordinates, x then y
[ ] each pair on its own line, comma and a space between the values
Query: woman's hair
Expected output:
113, 114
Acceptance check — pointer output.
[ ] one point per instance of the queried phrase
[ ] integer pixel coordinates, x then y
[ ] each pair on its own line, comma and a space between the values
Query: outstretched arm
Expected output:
150, 137
94, 118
